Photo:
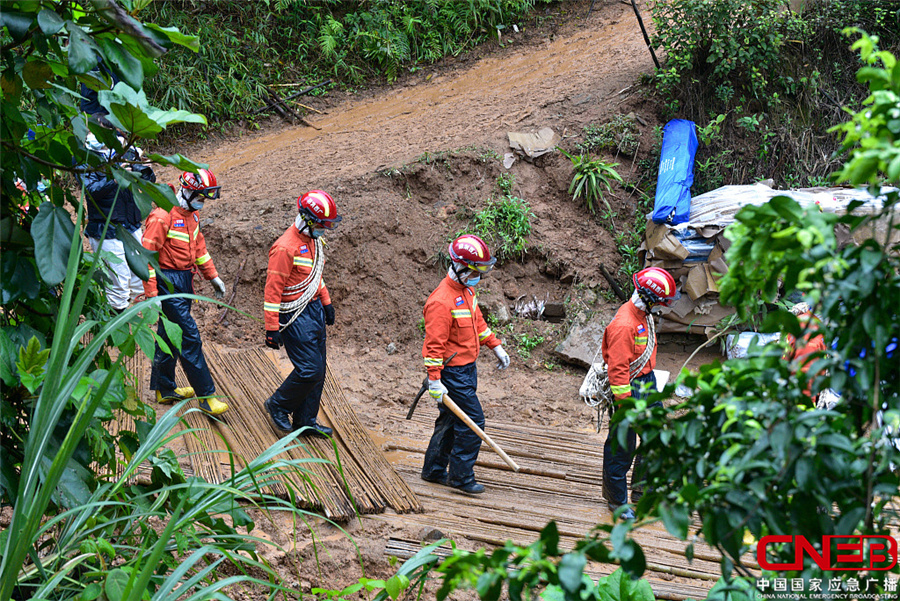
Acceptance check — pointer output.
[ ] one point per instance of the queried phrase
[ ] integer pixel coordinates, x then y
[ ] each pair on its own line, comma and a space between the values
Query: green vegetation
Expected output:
527, 343
759, 455
591, 177
246, 46
78, 530
779, 84
620, 134
504, 223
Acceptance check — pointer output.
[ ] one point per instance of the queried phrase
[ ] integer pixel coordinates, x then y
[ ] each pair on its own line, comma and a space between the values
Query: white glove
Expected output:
502, 357
437, 390
219, 286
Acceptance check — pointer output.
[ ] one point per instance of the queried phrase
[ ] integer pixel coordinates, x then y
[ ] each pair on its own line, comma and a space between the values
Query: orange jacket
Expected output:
453, 324
808, 344
177, 237
291, 259
623, 342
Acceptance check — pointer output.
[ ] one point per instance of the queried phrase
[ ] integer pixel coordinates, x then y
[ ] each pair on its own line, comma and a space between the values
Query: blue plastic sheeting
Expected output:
676, 173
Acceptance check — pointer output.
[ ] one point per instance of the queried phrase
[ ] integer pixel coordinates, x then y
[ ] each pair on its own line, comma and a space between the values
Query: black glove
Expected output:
329, 314
273, 339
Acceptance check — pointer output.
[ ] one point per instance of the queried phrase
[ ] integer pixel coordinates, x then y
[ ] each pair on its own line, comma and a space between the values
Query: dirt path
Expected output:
407, 164
552, 80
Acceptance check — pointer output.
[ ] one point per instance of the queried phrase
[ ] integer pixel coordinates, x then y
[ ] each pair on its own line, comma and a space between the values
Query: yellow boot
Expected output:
179, 395
213, 406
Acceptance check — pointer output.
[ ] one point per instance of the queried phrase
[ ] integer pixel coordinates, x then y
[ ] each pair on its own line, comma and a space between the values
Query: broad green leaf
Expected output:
7, 360
116, 582
173, 331
571, 568
16, 23
146, 192
189, 41
52, 232
550, 538
122, 62
177, 160
72, 489
37, 74
139, 259
395, 585
50, 22
32, 358
82, 50
676, 519
91, 592
12, 234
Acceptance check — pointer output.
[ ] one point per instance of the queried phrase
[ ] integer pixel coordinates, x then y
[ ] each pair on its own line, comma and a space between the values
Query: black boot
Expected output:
315, 429
278, 418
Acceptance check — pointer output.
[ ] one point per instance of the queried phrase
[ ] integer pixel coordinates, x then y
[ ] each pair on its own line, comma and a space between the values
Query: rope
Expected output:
596, 390
310, 287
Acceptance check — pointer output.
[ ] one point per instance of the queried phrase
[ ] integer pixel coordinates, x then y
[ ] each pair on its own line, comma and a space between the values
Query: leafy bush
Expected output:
590, 179
505, 224
621, 134
724, 42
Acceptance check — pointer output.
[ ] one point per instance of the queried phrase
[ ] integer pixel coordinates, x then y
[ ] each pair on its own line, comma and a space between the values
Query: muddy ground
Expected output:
408, 164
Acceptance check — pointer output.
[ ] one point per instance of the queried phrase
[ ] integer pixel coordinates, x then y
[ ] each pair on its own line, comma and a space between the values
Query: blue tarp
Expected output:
676, 173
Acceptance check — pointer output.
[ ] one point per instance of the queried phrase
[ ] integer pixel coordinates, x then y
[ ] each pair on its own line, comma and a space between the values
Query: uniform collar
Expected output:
639, 313
455, 285
302, 237
181, 212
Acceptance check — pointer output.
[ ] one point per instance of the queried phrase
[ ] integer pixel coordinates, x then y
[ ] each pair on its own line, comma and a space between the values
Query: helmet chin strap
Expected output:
456, 274
183, 200
639, 302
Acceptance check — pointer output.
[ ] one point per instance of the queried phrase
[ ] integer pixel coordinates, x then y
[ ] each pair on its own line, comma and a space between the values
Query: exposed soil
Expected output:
407, 165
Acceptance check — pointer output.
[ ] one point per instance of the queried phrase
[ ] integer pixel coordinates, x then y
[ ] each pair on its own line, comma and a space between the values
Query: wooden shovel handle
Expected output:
449, 404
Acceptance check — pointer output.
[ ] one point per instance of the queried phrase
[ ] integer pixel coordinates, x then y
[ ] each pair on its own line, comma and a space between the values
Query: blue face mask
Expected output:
316, 233
471, 282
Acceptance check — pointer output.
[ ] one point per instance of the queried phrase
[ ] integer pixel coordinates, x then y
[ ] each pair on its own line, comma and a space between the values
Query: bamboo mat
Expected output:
244, 379
559, 479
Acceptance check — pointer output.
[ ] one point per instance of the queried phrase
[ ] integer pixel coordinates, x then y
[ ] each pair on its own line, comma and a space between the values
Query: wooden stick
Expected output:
309, 108
233, 291
613, 284
644, 31
449, 404
292, 96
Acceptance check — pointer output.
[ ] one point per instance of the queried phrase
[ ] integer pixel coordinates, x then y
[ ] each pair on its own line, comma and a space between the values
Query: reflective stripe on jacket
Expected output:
177, 237
623, 342
291, 260
453, 324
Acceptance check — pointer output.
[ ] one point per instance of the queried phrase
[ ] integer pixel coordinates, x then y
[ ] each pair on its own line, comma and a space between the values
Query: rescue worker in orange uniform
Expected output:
182, 249
624, 342
297, 308
800, 350
454, 324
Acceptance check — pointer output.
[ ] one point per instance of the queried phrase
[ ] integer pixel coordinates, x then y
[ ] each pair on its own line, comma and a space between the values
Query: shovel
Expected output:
449, 404
423, 389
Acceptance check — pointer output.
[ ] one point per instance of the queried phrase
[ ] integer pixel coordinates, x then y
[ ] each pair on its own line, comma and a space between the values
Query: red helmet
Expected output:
319, 209
655, 285
473, 252
203, 183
